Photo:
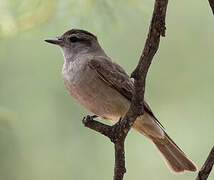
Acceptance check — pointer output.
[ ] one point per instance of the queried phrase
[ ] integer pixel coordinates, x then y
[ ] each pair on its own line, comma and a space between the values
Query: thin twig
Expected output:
207, 167
212, 5
118, 132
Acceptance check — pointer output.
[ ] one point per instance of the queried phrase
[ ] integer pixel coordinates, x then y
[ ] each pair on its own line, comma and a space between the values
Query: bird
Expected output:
103, 87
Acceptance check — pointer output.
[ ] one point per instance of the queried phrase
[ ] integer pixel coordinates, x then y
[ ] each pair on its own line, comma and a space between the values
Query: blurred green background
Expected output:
41, 134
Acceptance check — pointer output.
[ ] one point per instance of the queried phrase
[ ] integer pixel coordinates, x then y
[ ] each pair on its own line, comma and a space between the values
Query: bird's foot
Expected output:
88, 118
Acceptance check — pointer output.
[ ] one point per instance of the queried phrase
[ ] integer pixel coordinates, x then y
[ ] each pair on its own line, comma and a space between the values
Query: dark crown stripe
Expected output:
76, 31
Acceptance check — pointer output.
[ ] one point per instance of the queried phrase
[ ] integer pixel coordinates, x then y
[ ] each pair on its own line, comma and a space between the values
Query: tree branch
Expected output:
207, 167
212, 5
118, 132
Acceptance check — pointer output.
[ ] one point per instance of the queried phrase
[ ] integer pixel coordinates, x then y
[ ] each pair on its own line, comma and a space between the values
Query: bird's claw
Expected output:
88, 118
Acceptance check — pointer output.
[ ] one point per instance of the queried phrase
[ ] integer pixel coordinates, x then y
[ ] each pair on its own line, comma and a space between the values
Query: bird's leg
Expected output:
94, 116
88, 118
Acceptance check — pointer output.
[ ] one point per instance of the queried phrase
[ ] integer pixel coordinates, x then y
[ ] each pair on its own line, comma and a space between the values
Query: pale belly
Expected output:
93, 93
98, 97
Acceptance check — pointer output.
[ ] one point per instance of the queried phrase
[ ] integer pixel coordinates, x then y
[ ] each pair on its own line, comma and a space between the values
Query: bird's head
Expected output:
75, 42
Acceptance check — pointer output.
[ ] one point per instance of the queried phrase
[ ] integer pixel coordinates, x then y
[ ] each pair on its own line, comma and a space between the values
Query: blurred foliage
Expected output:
9, 150
22, 15
41, 134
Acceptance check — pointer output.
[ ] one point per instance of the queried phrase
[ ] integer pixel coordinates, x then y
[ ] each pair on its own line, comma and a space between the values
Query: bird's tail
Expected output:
174, 157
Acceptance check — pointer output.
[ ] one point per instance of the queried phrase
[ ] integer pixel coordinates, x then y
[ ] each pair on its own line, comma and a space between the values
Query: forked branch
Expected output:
118, 132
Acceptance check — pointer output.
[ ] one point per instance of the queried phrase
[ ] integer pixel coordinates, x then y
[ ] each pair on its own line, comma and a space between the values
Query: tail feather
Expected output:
173, 155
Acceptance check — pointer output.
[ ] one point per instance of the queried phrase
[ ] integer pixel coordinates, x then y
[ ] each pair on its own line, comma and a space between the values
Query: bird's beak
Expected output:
54, 41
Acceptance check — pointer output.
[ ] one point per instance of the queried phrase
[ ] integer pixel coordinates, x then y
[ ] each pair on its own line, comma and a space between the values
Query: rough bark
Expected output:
207, 167
118, 132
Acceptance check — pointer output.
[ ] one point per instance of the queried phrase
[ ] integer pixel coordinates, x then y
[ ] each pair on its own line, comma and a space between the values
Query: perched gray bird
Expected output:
104, 88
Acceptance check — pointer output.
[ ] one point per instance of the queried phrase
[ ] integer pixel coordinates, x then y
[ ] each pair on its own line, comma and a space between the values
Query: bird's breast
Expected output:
84, 84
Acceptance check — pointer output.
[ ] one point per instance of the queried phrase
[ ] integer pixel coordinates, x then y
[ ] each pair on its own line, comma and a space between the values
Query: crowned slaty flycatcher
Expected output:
104, 88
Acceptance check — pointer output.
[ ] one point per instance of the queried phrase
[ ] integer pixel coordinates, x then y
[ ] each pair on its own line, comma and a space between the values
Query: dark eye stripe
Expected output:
74, 39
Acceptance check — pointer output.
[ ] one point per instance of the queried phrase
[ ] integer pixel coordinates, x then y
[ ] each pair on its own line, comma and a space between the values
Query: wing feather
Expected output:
115, 76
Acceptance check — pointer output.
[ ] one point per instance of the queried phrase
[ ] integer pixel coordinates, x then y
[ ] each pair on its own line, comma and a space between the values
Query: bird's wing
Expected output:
115, 76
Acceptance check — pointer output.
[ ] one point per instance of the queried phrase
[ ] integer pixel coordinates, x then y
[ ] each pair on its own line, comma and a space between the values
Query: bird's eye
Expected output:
73, 39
